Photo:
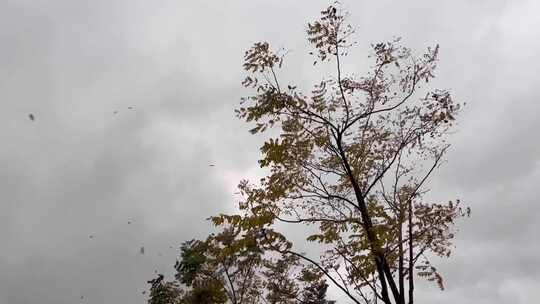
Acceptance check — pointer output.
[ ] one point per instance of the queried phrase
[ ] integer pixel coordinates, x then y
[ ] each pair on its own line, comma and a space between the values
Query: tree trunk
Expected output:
411, 264
401, 253
383, 269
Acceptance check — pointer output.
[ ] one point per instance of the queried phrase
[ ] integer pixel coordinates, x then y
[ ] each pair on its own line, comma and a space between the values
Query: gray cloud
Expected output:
80, 170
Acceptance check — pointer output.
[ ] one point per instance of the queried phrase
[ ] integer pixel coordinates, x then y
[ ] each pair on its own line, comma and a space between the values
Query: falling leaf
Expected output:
31, 116
142, 250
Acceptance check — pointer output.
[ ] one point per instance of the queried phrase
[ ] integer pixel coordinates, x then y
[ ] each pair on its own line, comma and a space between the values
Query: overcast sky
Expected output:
72, 179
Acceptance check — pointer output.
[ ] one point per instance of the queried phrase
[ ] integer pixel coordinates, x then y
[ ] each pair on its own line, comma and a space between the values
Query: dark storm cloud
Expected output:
81, 170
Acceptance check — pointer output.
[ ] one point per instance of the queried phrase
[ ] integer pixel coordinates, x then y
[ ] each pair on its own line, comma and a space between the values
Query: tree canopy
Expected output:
348, 160
226, 268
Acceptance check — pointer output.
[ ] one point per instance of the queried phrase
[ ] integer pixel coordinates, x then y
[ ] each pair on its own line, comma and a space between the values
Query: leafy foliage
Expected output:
352, 158
350, 165
164, 292
280, 284
315, 287
228, 268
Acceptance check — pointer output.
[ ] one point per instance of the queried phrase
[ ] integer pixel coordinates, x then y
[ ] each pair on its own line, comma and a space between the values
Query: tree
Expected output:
315, 287
228, 268
351, 158
280, 283
221, 268
164, 292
